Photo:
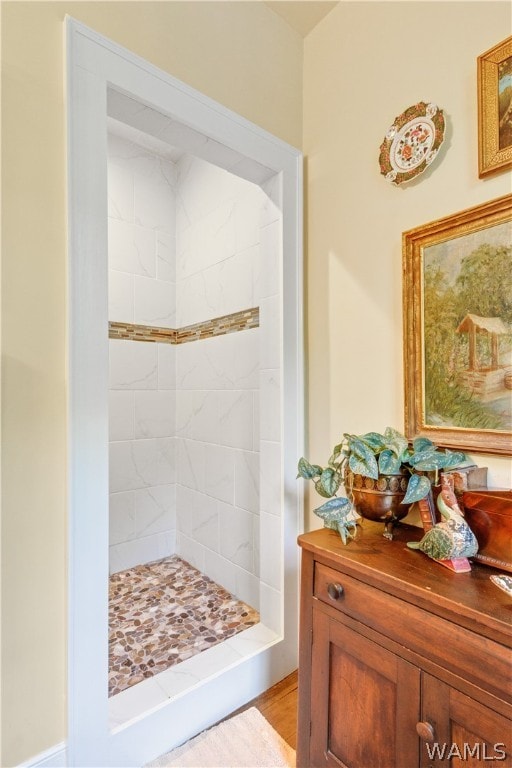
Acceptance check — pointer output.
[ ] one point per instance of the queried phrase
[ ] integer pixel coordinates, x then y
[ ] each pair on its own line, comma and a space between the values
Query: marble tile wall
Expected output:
217, 380
142, 404
196, 438
269, 288
217, 241
142, 240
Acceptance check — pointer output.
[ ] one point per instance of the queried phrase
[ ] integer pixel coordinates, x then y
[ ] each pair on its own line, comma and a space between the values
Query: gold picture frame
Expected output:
495, 109
457, 323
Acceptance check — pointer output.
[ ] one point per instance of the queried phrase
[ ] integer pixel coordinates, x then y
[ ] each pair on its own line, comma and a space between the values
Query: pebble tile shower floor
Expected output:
165, 612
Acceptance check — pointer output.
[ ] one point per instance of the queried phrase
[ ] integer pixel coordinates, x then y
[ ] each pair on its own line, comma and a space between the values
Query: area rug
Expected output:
244, 741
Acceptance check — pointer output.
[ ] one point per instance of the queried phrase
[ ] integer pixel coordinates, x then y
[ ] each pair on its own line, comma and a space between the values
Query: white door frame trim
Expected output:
93, 64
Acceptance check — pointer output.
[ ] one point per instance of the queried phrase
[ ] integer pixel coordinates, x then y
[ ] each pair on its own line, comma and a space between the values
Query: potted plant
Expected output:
382, 475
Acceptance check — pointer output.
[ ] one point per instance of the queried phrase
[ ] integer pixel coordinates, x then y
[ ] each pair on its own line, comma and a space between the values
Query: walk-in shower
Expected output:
186, 416
194, 256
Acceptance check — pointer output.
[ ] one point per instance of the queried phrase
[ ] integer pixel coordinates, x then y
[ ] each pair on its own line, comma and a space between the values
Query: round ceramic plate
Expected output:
412, 142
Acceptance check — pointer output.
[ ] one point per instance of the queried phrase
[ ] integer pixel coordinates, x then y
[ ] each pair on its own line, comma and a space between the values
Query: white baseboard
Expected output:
55, 757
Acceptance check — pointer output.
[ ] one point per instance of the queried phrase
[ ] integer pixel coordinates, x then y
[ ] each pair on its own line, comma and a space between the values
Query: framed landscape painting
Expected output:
457, 302
495, 109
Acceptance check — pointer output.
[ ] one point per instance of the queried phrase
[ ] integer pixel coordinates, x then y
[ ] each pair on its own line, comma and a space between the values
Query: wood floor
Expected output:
279, 706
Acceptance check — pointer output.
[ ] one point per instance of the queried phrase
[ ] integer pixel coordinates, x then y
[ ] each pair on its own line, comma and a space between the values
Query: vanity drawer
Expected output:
349, 595
449, 645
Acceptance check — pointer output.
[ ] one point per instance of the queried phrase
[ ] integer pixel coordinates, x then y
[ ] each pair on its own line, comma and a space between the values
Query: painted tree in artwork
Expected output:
482, 287
440, 321
484, 284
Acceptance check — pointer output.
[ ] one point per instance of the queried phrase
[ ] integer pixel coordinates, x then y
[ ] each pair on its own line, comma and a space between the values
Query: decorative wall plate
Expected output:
412, 142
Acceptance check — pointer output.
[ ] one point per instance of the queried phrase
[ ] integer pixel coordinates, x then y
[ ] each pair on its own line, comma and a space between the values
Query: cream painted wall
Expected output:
240, 54
363, 65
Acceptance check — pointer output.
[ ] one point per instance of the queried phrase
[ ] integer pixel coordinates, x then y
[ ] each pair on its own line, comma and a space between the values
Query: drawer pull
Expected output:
425, 731
335, 591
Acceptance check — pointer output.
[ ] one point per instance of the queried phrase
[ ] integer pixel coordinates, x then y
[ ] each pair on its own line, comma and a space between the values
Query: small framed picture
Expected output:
495, 109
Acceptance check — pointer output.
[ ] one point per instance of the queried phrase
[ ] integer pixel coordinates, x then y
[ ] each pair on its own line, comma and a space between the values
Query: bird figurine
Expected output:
452, 537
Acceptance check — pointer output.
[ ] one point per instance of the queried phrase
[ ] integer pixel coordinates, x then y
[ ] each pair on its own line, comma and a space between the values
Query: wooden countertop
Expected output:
468, 599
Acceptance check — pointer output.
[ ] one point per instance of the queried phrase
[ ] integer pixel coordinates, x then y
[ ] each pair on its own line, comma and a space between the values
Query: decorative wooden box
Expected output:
489, 515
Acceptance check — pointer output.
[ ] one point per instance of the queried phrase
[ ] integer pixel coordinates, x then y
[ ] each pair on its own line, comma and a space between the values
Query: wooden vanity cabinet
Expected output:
403, 663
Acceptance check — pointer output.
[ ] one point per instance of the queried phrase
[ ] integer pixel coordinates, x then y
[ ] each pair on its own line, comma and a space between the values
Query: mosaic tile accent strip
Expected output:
134, 332
218, 326
164, 612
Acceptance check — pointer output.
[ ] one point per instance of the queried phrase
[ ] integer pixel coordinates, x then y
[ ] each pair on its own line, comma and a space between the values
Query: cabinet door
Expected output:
365, 701
464, 731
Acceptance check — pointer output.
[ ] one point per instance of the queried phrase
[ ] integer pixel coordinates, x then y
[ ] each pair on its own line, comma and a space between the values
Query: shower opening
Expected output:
195, 433
205, 399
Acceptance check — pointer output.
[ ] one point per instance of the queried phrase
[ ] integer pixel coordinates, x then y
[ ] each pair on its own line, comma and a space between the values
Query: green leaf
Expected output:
418, 458
374, 440
453, 459
357, 447
430, 463
366, 466
389, 463
334, 511
338, 503
422, 444
330, 481
336, 453
391, 434
307, 470
321, 490
398, 447
338, 457
418, 488
362, 457
406, 455
395, 441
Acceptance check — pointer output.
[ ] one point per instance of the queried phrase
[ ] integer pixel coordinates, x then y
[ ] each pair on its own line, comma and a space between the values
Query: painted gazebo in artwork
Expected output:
486, 381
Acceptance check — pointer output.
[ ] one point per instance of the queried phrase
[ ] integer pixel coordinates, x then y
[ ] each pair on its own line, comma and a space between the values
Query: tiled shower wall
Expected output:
142, 398
195, 452
195, 441
217, 380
